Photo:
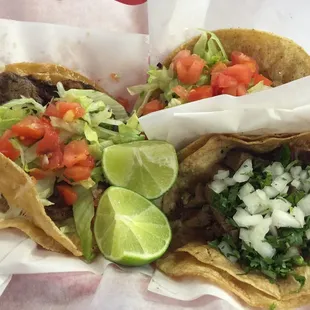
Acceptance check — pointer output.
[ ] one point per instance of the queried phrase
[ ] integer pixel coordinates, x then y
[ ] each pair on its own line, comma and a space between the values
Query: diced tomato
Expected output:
49, 143
39, 174
26, 141
240, 72
68, 194
51, 110
124, 102
88, 162
259, 77
238, 90
180, 91
75, 152
152, 106
200, 93
241, 58
77, 173
230, 91
52, 160
181, 54
7, 148
222, 80
218, 67
8, 134
30, 127
66, 108
189, 69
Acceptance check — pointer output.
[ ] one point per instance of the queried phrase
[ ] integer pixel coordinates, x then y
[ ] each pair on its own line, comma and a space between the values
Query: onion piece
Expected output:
304, 205
299, 215
295, 172
270, 191
303, 175
280, 182
245, 190
221, 175
252, 202
227, 251
277, 169
244, 172
296, 183
244, 235
230, 182
284, 219
280, 204
244, 219
218, 186
308, 234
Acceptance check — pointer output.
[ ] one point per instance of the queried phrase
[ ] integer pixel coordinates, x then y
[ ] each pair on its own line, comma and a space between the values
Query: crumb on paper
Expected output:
115, 77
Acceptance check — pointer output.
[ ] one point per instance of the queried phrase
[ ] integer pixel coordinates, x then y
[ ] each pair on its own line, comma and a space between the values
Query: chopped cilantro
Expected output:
285, 155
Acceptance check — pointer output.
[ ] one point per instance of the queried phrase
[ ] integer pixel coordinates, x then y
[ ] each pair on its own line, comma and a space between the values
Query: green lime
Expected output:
129, 229
146, 167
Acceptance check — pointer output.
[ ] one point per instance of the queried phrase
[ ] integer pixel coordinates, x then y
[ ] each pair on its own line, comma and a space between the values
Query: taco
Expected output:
240, 214
229, 61
54, 125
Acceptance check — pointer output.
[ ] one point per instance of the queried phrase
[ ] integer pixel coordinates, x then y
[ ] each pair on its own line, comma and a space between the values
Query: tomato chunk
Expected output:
259, 77
52, 160
39, 174
75, 152
238, 90
77, 173
222, 80
30, 127
7, 148
218, 67
68, 194
189, 69
200, 93
180, 91
125, 103
240, 72
89, 162
241, 58
49, 143
51, 110
152, 106
69, 110
181, 54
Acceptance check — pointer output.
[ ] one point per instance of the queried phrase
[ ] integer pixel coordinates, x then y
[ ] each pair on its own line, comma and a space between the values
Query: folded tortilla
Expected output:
190, 255
279, 59
18, 188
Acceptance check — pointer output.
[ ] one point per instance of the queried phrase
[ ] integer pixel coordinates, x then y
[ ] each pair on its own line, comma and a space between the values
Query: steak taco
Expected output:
240, 214
54, 125
229, 61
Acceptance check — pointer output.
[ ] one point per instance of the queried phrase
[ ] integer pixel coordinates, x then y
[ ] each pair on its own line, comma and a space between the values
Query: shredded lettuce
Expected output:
45, 189
173, 103
97, 175
25, 103
75, 127
87, 98
90, 134
210, 48
67, 226
258, 87
83, 213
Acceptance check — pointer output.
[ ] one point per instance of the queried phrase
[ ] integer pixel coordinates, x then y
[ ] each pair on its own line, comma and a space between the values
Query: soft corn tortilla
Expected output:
20, 191
279, 59
199, 259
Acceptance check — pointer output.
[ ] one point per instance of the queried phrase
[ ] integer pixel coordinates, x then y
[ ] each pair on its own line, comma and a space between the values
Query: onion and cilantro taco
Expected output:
229, 61
54, 125
240, 214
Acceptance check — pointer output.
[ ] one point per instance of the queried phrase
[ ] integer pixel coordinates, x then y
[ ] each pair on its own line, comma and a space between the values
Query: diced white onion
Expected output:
308, 234
218, 186
306, 185
291, 252
244, 172
295, 172
296, 183
45, 160
252, 202
304, 205
262, 195
281, 181
277, 169
221, 175
270, 191
299, 215
280, 204
303, 175
244, 235
245, 190
284, 219
244, 219
230, 182
285, 190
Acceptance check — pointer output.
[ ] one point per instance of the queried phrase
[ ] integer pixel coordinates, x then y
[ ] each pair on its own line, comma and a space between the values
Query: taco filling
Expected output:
57, 137
234, 62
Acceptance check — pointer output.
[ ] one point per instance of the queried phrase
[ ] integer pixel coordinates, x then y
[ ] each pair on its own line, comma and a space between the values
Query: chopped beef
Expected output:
235, 159
199, 218
59, 211
195, 200
13, 86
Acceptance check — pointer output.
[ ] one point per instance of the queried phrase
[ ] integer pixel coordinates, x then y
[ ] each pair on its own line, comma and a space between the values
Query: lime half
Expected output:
146, 167
129, 229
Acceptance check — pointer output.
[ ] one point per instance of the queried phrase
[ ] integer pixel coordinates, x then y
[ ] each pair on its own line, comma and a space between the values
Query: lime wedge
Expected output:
129, 229
146, 167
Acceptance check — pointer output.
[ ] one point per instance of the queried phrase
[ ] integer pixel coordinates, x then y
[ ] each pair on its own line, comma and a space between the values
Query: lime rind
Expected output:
133, 237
